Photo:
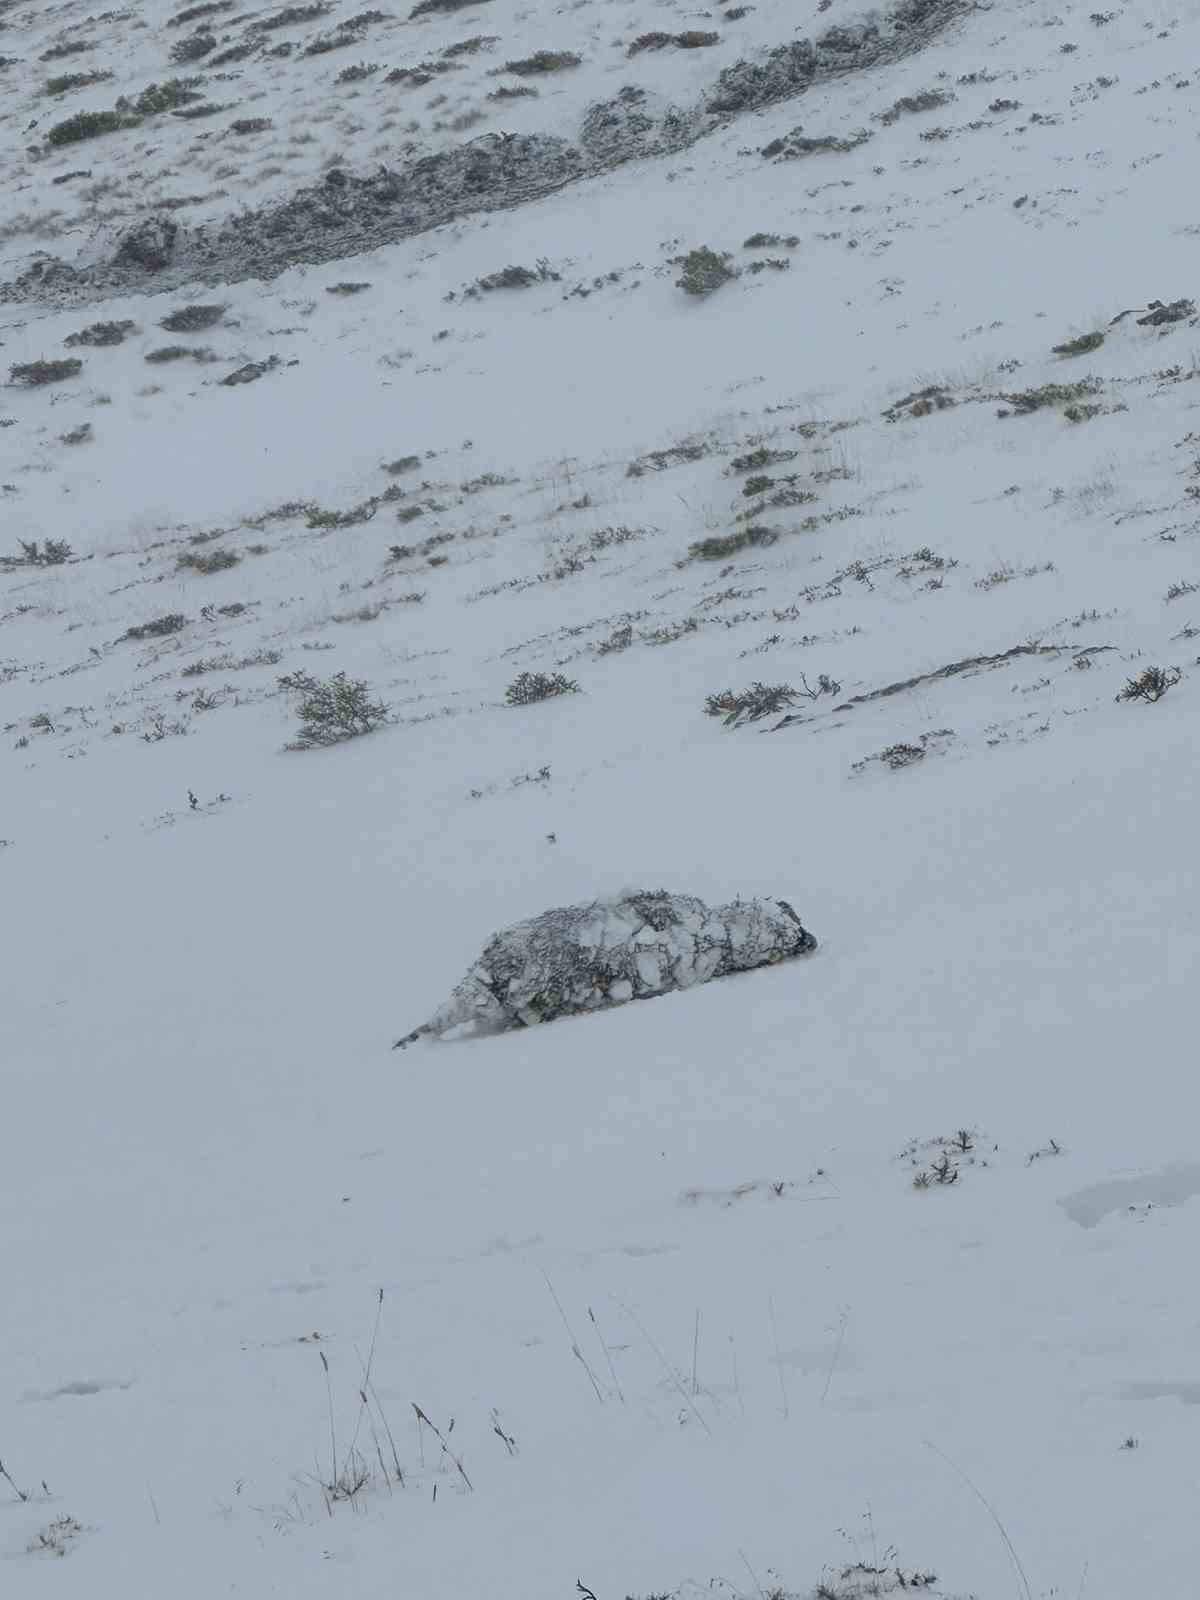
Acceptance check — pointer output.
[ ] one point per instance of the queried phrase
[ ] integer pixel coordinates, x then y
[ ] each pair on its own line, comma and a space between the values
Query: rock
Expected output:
149, 243
587, 957
1159, 315
250, 373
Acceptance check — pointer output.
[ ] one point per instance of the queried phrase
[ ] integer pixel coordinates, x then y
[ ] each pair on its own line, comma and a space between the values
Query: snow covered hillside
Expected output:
747, 452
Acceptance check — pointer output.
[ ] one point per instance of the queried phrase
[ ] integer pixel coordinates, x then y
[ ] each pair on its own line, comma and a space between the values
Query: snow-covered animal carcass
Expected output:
640, 944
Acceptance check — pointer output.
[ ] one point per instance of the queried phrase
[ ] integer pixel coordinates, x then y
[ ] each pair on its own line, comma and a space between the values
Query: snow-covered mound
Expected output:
639, 944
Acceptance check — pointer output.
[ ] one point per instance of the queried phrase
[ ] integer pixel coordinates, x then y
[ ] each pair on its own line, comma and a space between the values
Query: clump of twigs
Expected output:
752, 704
1150, 684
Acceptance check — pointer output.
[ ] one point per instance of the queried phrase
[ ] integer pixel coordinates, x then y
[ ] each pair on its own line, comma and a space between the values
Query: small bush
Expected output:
402, 464
212, 561
346, 288
358, 72
260, 658
542, 61
193, 319
339, 37
704, 271
527, 688
205, 108
771, 241
334, 709
1027, 401
159, 728
235, 52
693, 39
605, 538
429, 7
208, 8
33, 374
471, 46
784, 499
757, 483
514, 278
514, 91
761, 457
180, 352
921, 403
352, 517
927, 100
99, 335
247, 125
158, 628
57, 1538
720, 546
194, 48
749, 705
159, 97
86, 125
292, 16
83, 434
793, 146
655, 40
74, 80
1150, 684
51, 554
72, 47
898, 756
1082, 346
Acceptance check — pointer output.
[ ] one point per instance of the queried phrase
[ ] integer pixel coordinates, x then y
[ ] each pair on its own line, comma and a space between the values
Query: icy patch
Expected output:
82, 1387
1189, 1393
1172, 1186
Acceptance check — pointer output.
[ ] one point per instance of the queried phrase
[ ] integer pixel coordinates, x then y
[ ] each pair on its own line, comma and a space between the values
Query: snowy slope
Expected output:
681, 1274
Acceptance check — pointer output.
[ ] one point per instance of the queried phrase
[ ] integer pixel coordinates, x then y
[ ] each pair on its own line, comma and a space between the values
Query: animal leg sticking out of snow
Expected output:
640, 944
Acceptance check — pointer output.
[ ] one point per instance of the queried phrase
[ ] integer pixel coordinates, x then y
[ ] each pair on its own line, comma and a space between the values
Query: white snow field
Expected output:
870, 1271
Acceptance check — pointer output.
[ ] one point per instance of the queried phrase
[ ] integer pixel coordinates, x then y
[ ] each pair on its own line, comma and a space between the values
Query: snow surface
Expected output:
682, 1274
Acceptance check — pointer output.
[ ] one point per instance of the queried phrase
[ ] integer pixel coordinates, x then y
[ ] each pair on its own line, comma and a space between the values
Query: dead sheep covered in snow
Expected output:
640, 944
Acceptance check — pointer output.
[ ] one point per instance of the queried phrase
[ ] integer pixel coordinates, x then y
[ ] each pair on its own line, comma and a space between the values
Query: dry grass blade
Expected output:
991, 1511
441, 1438
666, 1366
575, 1350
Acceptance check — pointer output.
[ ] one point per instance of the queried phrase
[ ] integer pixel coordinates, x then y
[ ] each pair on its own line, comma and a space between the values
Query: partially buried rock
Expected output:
251, 372
149, 244
583, 958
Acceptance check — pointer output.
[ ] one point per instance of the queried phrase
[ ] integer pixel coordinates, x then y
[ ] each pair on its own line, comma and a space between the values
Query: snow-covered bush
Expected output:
334, 709
1151, 684
703, 271
527, 688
